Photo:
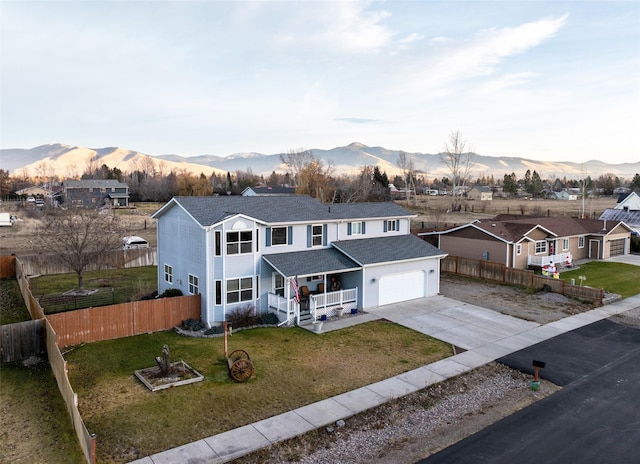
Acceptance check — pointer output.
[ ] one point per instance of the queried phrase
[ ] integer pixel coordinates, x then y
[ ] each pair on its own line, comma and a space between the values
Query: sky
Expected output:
557, 81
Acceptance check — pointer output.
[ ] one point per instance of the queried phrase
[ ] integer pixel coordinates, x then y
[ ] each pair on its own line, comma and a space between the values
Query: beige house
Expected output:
523, 242
480, 192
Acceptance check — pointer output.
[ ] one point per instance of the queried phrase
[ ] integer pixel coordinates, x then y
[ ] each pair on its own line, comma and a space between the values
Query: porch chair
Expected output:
304, 297
321, 288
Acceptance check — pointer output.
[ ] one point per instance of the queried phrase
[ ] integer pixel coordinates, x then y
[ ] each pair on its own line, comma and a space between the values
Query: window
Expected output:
581, 241
565, 244
218, 292
218, 243
392, 225
541, 247
316, 235
278, 284
239, 242
193, 285
518, 249
168, 274
355, 228
239, 290
279, 236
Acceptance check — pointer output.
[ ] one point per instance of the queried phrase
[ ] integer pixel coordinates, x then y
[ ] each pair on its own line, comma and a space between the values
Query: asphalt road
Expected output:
594, 418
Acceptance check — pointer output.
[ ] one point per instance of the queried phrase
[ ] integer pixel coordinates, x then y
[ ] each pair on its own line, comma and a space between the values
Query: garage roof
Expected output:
387, 249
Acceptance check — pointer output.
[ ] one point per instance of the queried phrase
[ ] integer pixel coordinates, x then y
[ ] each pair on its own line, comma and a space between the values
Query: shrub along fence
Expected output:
94, 324
489, 270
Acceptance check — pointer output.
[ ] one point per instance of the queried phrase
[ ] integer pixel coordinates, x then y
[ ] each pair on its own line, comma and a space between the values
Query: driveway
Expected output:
594, 418
627, 259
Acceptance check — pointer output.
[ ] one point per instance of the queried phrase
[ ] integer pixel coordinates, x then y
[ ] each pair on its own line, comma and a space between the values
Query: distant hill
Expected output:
69, 161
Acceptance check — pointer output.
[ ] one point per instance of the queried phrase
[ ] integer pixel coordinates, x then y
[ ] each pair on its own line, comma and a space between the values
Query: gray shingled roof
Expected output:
387, 249
281, 209
94, 183
310, 262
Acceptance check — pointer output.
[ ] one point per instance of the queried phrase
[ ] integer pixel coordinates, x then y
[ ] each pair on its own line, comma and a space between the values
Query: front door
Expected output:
594, 249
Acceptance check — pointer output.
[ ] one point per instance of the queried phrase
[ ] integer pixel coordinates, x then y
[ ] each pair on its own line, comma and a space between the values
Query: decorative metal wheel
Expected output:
238, 354
241, 370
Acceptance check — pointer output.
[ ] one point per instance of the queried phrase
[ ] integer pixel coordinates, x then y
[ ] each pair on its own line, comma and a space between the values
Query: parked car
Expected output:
134, 242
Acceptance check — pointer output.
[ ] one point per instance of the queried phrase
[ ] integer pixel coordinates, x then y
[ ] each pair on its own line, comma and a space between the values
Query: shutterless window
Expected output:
581, 241
193, 285
279, 236
239, 242
168, 274
218, 292
565, 243
218, 243
239, 290
518, 249
316, 235
541, 247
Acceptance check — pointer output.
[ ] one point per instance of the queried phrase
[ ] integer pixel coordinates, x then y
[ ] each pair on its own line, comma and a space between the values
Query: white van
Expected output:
132, 242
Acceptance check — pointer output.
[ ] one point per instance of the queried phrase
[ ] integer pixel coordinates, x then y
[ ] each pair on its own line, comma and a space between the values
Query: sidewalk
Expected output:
485, 334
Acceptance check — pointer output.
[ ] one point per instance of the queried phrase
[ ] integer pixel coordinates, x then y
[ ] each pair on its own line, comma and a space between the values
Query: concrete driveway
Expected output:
627, 259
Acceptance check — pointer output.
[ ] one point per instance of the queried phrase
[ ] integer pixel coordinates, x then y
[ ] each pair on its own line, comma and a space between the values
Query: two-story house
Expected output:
291, 255
95, 193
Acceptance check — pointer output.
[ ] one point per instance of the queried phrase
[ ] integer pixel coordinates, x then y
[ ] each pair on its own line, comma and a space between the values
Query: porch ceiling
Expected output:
311, 262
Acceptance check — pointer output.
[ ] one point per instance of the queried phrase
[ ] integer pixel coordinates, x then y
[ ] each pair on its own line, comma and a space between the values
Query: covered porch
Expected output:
308, 285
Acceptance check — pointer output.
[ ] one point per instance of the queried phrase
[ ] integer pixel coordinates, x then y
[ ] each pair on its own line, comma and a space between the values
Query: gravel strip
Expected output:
415, 426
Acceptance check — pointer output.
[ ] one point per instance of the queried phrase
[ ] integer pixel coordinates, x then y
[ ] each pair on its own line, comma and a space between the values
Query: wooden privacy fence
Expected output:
21, 340
123, 320
60, 371
7, 267
489, 270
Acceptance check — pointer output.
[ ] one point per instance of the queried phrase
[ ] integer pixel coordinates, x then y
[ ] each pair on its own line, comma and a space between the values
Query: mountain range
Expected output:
71, 161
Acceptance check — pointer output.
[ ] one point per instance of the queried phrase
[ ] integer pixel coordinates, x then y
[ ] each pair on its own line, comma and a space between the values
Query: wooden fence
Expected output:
123, 320
7, 267
489, 270
60, 371
21, 340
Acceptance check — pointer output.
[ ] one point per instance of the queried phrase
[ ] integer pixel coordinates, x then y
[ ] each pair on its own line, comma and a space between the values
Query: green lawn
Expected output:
620, 278
129, 284
12, 307
35, 426
293, 367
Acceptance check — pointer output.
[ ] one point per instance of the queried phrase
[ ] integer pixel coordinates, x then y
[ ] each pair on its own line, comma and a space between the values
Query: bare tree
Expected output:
79, 237
297, 160
405, 162
459, 160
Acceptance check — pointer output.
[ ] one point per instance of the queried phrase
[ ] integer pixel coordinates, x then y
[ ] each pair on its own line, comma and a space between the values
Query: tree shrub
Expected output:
244, 316
269, 319
192, 324
171, 292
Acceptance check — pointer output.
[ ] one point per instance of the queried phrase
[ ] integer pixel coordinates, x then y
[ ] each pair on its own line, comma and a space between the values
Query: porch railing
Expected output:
327, 303
563, 258
281, 305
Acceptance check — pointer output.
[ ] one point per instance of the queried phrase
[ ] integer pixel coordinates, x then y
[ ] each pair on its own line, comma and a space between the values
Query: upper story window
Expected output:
581, 241
239, 243
279, 236
392, 225
356, 228
194, 287
316, 235
168, 274
541, 247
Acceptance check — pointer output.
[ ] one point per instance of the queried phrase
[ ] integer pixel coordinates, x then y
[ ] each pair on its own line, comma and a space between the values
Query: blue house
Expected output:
292, 255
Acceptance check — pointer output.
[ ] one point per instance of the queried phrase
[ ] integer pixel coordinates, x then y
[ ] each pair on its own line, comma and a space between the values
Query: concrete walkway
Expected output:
485, 334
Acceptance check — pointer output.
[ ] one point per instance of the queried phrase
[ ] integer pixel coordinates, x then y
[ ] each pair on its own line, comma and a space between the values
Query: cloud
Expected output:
482, 55
505, 82
359, 120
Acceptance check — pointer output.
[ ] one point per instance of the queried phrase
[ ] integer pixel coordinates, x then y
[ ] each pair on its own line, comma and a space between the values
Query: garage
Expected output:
617, 247
401, 287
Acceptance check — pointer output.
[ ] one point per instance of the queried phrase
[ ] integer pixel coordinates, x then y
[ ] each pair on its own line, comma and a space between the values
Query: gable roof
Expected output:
629, 217
482, 188
94, 183
310, 262
270, 190
387, 249
208, 211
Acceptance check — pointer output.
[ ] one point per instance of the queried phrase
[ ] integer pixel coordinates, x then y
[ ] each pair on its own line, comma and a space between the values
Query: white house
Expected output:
291, 255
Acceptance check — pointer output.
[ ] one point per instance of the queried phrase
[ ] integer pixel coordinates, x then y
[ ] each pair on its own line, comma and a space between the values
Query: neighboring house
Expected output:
565, 195
261, 191
95, 193
35, 192
480, 192
627, 210
523, 242
291, 255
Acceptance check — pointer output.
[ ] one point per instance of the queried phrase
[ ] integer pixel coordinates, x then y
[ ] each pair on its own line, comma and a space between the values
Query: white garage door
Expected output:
401, 287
